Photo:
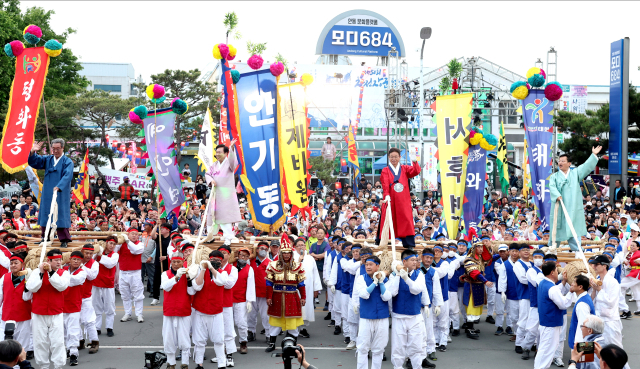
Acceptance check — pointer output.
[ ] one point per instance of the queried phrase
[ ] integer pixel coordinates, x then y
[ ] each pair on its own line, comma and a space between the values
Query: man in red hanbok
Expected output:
395, 185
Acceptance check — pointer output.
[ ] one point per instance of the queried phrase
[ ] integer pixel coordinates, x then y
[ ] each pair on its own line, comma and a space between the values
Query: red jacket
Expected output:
401, 214
177, 302
260, 276
47, 300
634, 261
13, 306
240, 288
209, 299
73, 296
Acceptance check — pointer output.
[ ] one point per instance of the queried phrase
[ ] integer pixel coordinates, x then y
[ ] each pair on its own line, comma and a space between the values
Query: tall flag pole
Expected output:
501, 161
353, 157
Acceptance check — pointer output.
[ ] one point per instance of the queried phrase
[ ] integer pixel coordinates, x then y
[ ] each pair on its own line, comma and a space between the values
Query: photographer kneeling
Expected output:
12, 354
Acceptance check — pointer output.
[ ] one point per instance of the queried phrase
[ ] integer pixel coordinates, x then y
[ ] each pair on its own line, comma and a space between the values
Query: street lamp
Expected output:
425, 33
539, 63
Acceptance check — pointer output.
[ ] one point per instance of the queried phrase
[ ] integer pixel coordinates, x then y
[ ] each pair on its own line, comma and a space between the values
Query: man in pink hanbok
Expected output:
225, 210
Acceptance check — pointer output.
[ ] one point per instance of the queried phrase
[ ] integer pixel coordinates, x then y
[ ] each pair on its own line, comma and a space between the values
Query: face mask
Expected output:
215, 263
366, 196
183, 208
134, 197
7, 209
452, 254
345, 198
92, 182
200, 182
241, 262
609, 208
537, 262
262, 253
618, 205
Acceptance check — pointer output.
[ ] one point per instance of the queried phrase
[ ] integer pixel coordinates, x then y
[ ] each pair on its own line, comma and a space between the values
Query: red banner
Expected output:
24, 104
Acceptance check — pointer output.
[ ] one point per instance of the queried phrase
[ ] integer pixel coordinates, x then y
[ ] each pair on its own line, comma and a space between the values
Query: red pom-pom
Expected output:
255, 62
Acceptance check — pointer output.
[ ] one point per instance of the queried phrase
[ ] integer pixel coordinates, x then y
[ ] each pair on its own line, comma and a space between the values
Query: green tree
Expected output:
592, 128
323, 169
231, 25
197, 93
63, 78
454, 68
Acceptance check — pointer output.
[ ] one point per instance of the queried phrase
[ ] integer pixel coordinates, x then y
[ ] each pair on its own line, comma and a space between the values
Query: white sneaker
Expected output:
214, 360
449, 339
140, 319
558, 362
155, 302
230, 362
351, 345
126, 318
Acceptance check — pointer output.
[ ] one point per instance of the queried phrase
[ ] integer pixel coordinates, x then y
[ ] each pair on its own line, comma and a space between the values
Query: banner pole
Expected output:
46, 123
155, 143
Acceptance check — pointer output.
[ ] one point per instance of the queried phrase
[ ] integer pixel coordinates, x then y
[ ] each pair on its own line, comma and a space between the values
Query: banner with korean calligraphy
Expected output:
474, 192
429, 171
292, 137
453, 123
81, 190
229, 110
161, 150
258, 138
207, 149
538, 127
24, 105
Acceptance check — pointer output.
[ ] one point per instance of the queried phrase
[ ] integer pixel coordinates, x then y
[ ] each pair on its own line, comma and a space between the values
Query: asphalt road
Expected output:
126, 349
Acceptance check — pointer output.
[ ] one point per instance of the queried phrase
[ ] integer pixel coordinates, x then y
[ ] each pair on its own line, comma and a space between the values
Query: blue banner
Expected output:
615, 106
258, 141
538, 127
474, 191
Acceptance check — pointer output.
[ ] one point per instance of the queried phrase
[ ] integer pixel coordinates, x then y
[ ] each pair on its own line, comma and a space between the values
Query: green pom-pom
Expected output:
141, 111
179, 106
235, 76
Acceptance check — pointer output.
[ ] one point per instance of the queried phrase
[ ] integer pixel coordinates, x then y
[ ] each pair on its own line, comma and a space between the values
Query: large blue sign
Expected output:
615, 106
359, 32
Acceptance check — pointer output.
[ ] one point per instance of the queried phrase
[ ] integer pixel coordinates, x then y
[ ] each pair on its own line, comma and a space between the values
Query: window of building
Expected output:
109, 88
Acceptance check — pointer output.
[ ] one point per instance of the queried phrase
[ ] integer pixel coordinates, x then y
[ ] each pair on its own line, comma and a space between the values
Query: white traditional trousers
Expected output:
563, 334
22, 334
523, 315
259, 307
132, 291
229, 331
240, 319
500, 310
72, 332
491, 300
88, 320
454, 310
175, 336
336, 314
104, 302
207, 327
48, 337
353, 321
549, 337
430, 338
634, 284
512, 307
373, 336
533, 329
344, 307
407, 341
441, 325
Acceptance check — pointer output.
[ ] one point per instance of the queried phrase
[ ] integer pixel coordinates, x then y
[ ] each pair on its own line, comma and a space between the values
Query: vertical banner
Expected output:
229, 121
24, 104
207, 148
454, 121
133, 168
501, 161
353, 158
616, 93
162, 147
429, 171
526, 175
258, 139
538, 127
476, 180
292, 137
80, 191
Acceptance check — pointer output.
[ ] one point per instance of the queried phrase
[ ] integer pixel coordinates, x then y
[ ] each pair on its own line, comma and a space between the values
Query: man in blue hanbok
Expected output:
58, 172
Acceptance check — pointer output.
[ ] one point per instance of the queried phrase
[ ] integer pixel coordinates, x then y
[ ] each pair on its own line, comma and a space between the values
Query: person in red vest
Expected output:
207, 302
103, 294
47, 324
176, 311
14, 307
73, 305
244, 294
5, 254
87, 312
227, 304
130, 283
259, 266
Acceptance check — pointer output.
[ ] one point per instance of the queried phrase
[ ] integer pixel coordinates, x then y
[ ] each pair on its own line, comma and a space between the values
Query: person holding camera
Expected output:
12, 354
47, 286
14, 307
609, 357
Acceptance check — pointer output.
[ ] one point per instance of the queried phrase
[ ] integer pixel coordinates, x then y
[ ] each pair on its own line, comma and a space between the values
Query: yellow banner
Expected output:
292, 139
81, 189
453, 115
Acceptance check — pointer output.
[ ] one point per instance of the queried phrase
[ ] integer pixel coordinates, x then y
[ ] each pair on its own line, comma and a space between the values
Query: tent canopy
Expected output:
382, 162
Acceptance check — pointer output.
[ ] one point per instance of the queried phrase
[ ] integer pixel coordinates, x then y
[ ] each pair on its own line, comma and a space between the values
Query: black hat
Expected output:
600, 259
514, 246
275, 243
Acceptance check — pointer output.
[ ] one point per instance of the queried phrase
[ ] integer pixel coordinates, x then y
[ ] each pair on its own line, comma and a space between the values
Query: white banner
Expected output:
114, 178
206, 150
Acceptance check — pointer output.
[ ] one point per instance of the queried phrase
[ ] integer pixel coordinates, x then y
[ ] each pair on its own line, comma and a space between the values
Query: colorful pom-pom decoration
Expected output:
537, 80
216, 52
32, 34
306, 79
53, 48
232, 52
276, 68
155, 91
520, 93
553, 91
492, 140
255, 62
174, 100
235, 76
14, 48
536, 70
138, 114
179, 106
224, 50
476, 139
516, 85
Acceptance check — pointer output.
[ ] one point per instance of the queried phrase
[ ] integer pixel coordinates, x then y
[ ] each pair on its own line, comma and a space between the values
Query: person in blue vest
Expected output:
553, 299
583, 308
441, 322
454, 288
520, 269
534, 276
347, 286
492, 276
352, 269
335, 284
503, 252
407, 286
432, 281
373, 309
508, 286
475, 263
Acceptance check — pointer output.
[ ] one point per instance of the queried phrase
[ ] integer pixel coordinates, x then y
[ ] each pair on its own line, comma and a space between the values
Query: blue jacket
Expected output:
54, 176
574, 317
405, 302
549, 313
373, 307
512, 282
